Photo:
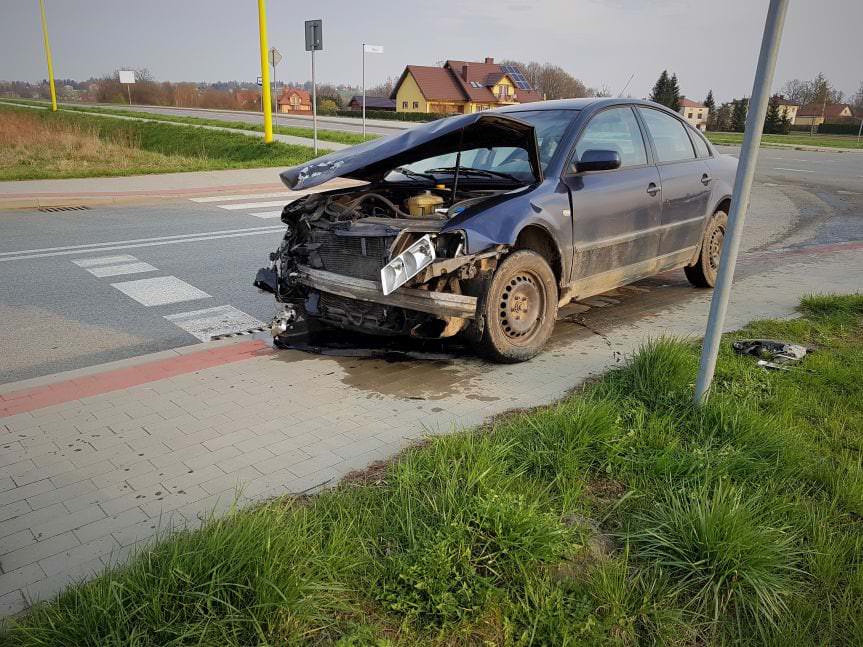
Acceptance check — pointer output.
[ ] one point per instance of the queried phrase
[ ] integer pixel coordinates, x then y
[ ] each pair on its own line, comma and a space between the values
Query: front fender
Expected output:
500, 220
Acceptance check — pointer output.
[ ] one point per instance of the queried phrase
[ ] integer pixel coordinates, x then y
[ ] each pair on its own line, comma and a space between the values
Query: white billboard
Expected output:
127, 76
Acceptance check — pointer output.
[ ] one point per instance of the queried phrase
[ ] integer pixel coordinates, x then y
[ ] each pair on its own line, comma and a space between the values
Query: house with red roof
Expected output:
817, 113
695, 113
294, 100
461, 87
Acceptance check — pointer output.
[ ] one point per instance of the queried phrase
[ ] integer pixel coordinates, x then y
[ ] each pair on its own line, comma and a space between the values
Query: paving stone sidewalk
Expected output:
84, 481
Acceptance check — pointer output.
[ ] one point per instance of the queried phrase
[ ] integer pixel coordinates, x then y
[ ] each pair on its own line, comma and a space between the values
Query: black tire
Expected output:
703, 273
518, 308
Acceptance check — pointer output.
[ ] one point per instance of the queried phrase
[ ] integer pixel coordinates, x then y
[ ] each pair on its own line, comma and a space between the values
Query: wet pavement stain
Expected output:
398, 367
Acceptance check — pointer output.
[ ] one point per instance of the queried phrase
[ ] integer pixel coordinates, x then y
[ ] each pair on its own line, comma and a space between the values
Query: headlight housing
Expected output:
407, 265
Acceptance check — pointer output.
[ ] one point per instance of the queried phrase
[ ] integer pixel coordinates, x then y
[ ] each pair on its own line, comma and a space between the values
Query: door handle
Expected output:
652, 189
705, 179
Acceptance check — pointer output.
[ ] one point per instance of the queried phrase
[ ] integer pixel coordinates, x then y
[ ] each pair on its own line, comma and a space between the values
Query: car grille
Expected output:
361, 257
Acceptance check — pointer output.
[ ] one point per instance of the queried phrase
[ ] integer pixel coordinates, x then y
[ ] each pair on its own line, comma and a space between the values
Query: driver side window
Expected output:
616, 130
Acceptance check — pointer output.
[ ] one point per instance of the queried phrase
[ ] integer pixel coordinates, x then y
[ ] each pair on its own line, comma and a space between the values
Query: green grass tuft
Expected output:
719, 544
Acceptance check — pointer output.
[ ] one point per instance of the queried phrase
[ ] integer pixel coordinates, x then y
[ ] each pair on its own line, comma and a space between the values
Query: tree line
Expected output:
731, 115
228, 95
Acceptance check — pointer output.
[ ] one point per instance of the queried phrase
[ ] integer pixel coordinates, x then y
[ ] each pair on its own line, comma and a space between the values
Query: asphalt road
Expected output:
346, 124
84, 287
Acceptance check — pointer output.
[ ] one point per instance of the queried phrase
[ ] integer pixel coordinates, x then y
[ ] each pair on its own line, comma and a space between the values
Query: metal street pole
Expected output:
48, 56
265, 73
364, 91
860, 132
314, 102
742, 188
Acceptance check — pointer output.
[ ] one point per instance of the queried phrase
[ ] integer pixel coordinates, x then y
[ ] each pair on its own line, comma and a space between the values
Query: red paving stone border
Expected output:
82, 387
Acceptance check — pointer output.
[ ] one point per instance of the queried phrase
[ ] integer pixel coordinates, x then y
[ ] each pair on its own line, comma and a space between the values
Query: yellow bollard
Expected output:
265, 74
48, 57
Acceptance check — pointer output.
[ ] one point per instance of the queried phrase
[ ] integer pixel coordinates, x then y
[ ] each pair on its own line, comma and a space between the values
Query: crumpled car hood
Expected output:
372, 160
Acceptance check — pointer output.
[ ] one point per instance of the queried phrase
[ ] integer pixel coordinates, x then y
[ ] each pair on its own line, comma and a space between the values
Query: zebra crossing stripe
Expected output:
221, 321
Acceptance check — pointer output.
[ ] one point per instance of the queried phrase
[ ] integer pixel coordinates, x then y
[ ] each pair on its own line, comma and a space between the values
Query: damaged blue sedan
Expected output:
483, 224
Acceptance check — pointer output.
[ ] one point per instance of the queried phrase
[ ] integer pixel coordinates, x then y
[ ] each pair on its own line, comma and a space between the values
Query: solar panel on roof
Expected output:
517, 77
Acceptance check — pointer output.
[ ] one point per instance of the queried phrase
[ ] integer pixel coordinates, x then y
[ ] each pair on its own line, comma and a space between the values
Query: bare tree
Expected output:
552, 81
818, 90
384, 89
857, 101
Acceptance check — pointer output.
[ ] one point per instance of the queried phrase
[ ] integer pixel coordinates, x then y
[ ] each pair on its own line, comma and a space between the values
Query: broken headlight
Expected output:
408, 264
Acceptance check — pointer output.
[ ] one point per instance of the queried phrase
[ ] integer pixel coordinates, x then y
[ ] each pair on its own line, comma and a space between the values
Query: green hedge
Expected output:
830, 129
392, 116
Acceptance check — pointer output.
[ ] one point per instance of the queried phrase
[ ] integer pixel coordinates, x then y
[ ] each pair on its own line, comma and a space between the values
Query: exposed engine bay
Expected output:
375, 259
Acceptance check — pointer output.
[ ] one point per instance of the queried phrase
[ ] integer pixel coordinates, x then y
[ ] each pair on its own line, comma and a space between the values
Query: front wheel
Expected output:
703, 274
519, 307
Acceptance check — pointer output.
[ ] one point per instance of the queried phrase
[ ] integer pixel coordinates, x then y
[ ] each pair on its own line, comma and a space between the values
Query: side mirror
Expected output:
598, 160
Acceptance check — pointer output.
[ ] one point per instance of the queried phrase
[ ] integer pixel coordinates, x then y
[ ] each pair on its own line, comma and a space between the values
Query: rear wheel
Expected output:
518, 308
703, 273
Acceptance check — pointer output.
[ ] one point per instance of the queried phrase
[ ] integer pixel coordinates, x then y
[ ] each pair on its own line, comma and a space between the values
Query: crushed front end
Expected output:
329, 264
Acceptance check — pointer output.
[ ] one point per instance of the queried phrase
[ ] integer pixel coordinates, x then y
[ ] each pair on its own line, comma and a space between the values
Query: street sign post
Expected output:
740, 200
127, 78
314, 42
370, 49
275, 59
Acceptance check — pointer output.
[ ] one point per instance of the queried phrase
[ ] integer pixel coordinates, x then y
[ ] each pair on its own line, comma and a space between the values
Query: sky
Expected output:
709, 44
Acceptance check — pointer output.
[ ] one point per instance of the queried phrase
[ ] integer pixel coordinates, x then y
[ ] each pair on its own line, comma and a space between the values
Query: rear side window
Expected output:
700, 145
669, 136
615, 129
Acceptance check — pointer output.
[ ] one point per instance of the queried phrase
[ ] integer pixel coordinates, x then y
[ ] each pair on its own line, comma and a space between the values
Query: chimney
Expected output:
464, 72
489, 60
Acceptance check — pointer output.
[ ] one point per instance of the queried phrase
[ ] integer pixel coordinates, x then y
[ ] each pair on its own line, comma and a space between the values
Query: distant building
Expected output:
461, 87
817, 113
372, 103
295, 100
787, 108
695, 113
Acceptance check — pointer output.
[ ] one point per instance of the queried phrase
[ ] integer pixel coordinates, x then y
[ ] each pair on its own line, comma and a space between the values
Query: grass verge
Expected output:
37, 144
323, 134
622, 515
794, 139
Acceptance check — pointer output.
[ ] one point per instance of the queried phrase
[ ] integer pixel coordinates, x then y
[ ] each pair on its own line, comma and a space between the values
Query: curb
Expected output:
38, 200
800, 147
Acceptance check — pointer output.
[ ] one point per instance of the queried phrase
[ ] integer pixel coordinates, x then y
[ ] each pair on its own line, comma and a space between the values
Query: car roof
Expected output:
576, 104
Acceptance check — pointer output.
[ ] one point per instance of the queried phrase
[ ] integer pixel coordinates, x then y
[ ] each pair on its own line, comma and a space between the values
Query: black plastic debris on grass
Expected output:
771, 353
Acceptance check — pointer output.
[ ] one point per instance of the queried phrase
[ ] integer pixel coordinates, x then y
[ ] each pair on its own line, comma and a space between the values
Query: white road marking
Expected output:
797, 170
132, 240
124, 268
103, 266
247, 196
266, 214
160, 291
254, 205
131, 244
104, 260
210, 322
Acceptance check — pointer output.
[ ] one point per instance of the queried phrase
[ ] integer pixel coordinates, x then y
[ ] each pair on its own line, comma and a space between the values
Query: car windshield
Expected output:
504, 163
